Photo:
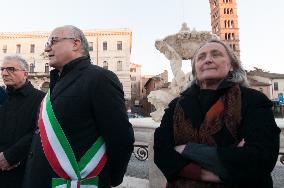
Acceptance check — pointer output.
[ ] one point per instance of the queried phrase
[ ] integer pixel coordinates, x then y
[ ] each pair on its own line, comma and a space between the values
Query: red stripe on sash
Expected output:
48, 151
99, 167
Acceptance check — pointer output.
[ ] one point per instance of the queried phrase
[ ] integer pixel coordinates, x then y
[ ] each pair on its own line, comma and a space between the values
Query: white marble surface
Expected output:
132, 182
144, 122
280, 122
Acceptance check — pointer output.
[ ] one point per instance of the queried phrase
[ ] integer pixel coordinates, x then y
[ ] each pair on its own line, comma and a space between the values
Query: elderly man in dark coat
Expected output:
91, 140
18, 117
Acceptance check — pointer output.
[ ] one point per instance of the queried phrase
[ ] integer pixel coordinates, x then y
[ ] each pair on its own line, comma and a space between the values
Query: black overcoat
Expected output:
17, 123
3, 96
248, 166
88, 101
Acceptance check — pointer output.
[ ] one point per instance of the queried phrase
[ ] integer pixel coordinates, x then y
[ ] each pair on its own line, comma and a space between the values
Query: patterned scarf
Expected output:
223, 116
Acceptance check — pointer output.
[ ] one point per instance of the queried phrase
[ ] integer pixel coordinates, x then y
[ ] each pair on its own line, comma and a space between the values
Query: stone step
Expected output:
132, 182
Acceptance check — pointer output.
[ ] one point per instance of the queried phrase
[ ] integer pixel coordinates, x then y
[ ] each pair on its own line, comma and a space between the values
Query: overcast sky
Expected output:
260, 22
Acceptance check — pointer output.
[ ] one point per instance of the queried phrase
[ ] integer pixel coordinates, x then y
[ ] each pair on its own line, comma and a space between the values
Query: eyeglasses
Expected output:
10, 69
51, 41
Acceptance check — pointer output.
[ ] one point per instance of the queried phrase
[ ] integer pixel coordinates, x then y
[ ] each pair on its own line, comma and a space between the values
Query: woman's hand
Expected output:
180, 148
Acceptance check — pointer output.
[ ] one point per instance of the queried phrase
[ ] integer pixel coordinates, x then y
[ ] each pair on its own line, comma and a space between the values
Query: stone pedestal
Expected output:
156, 178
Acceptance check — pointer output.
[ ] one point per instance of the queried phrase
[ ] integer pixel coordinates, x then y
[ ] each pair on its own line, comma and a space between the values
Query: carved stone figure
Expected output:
177, 47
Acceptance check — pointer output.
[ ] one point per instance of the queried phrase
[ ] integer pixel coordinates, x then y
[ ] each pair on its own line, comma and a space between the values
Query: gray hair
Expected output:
21, 61
237, 75
78, 33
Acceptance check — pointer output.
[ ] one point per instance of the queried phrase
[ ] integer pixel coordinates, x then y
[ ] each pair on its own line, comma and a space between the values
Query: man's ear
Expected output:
77, 44
26, 74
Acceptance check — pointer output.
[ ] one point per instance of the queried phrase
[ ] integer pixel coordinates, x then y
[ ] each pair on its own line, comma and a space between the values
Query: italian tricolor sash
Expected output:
73, 174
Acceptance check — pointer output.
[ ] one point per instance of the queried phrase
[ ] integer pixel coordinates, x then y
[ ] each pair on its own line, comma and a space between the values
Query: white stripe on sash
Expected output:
93, 162
56, 146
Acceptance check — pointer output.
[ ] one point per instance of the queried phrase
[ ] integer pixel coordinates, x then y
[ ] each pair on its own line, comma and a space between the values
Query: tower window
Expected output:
229, 36
232, 23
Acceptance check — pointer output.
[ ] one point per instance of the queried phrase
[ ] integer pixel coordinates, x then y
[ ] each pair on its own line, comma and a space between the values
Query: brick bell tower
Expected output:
224, 22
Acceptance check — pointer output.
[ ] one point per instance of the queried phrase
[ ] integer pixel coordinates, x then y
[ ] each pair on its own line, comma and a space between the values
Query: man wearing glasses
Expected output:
18, 117
84, 137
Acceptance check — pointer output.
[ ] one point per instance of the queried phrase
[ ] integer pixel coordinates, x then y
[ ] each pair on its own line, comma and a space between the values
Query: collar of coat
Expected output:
69, 66
24, 90
80, 62
190, 101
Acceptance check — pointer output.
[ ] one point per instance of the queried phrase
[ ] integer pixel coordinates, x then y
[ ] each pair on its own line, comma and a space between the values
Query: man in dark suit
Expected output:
83, 127
18, 117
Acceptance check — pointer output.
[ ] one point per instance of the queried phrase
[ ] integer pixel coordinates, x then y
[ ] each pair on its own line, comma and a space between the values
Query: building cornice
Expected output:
88, 33
40, 34
17, 35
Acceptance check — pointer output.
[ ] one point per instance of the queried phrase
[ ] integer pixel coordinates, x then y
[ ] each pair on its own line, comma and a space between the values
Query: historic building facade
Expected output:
110, 49
224, 22
272, 83
136, 85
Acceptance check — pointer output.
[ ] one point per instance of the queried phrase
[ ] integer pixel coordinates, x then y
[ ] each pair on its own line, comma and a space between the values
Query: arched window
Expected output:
234, 47
46, 68
231, 11
105, 65
32, 68
224, 11
229, 36
233, 36
225, 22
232, 23
119, 65
228, 11
226, 36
